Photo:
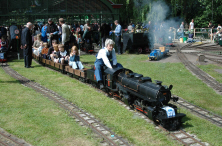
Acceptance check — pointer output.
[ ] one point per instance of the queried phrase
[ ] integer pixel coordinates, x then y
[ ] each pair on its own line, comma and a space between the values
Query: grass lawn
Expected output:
37, 120
122, 121
210, 69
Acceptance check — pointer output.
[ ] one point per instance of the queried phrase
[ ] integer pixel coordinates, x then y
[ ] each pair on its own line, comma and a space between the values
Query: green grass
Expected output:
36, 119
210, 69
122, 121
115, 116
204, 129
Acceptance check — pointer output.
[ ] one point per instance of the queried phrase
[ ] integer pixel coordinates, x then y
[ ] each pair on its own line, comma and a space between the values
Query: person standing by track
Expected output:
12, 43
118, 36
65, 34
26, 44
191, 27
52, 31
105, 29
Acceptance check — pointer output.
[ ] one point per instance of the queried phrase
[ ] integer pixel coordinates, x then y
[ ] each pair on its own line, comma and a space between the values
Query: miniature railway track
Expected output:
203, 45
7, 139
185, 138
179, 135
210, 81
84, 118
203, 113
210, 57
219, 61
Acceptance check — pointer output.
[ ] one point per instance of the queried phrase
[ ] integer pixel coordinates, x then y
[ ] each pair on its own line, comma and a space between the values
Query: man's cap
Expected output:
50, 19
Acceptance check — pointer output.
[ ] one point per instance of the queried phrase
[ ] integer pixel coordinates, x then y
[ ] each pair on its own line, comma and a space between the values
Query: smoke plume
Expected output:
161, 20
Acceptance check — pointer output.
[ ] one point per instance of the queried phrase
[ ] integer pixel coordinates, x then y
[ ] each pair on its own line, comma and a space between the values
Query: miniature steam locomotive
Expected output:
136, 91
158, 54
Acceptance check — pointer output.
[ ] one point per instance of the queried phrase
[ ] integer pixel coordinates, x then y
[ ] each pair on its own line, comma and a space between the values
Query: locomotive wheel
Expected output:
94, 84
147, 50
146, 112
139, 50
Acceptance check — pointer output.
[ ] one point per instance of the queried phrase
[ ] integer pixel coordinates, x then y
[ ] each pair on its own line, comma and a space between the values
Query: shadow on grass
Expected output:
91, 62
17, 81
185, 124
37, 66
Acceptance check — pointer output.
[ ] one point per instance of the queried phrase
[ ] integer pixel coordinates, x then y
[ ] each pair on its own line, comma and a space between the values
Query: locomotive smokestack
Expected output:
170, 87
158, 82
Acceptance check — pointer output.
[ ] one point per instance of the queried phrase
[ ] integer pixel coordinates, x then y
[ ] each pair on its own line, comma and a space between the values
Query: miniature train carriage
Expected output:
158, 53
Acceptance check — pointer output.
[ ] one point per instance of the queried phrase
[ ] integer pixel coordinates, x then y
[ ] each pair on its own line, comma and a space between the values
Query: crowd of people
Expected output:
61, 43
162, 27
59, 53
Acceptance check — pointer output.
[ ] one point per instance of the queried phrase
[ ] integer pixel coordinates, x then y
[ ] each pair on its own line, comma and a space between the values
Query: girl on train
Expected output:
55, 54
74, 59
63, 57
39, 50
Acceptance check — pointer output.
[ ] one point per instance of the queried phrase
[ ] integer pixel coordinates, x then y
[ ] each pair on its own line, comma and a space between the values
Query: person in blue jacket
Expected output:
44, 33
106, 56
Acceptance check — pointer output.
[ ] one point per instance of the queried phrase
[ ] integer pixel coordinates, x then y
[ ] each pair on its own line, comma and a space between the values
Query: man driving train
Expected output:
107, 57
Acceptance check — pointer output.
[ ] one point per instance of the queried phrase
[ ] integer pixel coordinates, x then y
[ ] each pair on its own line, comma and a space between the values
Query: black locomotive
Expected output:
140, 93
137, 91
140, 42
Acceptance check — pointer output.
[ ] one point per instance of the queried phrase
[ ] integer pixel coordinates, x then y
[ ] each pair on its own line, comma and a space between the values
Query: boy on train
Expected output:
107, 57
55, 54
45, 50
63, 56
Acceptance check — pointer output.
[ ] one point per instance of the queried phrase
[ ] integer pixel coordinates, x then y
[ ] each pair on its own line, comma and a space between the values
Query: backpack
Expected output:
44, 31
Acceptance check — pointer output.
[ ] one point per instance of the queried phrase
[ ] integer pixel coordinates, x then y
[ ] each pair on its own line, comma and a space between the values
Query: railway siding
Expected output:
210, 81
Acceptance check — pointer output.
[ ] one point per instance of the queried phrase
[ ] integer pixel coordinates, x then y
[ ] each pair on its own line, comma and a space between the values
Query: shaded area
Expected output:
22, 11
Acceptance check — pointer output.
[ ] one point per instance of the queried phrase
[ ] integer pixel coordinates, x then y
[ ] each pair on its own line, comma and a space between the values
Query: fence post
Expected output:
175, 35
194, 31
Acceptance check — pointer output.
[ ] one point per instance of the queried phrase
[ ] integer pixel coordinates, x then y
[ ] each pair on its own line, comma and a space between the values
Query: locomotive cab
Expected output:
110, 75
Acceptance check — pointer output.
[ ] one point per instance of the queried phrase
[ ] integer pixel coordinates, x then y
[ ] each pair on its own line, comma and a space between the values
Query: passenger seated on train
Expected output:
45, 50
55, 54
51, 49
74, 60
39, 50
3, 44
36, 43
63, 57
105, 57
